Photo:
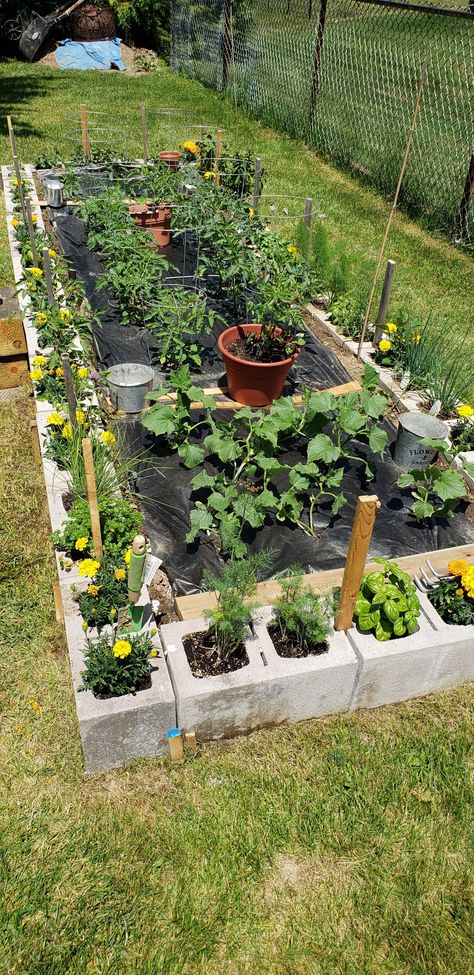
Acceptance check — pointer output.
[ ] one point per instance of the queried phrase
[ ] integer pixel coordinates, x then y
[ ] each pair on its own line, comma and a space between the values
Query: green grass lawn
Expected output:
335, 847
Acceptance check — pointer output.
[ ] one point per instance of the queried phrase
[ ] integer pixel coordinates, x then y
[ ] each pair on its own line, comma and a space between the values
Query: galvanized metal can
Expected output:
410, 453
129, 383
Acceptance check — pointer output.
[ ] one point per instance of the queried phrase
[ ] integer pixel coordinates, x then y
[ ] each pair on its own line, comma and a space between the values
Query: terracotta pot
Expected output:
155, 219
171, 158
252, 383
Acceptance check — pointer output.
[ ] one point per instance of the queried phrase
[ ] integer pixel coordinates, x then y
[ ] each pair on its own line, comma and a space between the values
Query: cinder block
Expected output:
221, 706
307, 687
454, 652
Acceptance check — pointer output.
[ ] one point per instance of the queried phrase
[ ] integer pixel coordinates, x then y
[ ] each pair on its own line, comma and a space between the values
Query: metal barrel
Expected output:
129, 383
54, 191
410, 453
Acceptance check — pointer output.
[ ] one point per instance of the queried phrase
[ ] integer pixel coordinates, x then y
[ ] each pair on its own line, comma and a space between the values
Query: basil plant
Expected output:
387, 604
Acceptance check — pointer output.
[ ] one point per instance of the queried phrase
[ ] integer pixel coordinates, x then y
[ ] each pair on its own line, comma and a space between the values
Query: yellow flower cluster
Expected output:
391, 328
67, 430
59, 372
15, 223
65, 315
459, 567
122, 649
127, 556
293, 250
108, 438
385, 345
39, 360
33, 218
36, 375
251, 212
36, 272
55, 419
88, 567
41, 318
52, 253
415, 337
81, 543
191, 147
465, 411
82, 372
93, 590
80, 416
120, 574
210, 174
467, 580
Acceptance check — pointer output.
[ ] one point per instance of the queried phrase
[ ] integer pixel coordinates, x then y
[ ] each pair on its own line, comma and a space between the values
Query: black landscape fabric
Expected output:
163, 484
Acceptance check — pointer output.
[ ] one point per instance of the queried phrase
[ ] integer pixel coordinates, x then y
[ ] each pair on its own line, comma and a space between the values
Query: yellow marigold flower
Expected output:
385, 345
459, 592
127, 556
154, 653
81, 543
80, 416
457, 567
251, 212
59, 372
33, 218
36, 272
122, 649
113, 612
465, 411
120, 574
39, 360
88, 567
55, 419
84, 626
15, 222
93, 590
108, 438
415, 337
391, 328
293, 250
52, 253
67, 430
36, 375
65, 315
83, 372
210, 174
190, 146
41, 318
15, 181
36, 707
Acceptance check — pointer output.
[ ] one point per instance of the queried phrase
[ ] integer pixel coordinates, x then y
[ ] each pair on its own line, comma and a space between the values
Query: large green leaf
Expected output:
450, 485
323, 448
406, 480
248, 510
378, 440
339, 501
200, 520
422, 509
191, 454
225, 448
352, 421
160, 419
203, 480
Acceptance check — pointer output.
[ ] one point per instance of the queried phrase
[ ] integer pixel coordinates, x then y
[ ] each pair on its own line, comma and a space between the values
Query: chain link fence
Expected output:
342, 75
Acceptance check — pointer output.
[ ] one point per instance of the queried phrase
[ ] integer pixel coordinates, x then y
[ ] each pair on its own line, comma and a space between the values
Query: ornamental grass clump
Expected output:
387, 604
453, 598
117, 665
302, 618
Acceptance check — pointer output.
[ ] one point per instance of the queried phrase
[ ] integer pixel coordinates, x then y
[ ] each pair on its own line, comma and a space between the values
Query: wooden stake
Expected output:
361, 534
308, 212
58, 603
384, 300
218, 154
146, 153
31, 231
16, 166
191, 741
11, 135
84, 132
92, 497
256, 183
70, 394
175, 743
48, 275
35, 442
395, 200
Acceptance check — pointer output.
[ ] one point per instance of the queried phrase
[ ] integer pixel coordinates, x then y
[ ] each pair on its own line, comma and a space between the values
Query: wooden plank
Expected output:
190, 607
361, 535
12, 337
13, 371
231, 404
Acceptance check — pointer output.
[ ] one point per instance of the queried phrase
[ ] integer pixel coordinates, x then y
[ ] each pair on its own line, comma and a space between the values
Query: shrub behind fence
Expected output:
342, 75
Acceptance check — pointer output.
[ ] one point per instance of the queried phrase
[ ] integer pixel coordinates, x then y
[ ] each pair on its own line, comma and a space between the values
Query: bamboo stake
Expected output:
384, 300
31, 231
218, 154
146, 153
84, 132
48, 276
256, 183
92, 497
361, 534
11, 135
17, 169
70, 394
421, 83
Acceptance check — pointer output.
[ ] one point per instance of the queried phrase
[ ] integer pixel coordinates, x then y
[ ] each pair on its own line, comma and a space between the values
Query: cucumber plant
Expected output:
436, 492
387, 604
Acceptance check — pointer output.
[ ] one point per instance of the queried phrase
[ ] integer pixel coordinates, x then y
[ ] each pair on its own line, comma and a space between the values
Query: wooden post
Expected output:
384, 300
308, 212
466, 197
70, 394
11, 135
31, 231
191, 741
146, 153
48, 275
84, 132
92, 497
58, 602
218, 154
318, 51
35, 442
175, 743
421, 83
361, 534
17, 169
256, 183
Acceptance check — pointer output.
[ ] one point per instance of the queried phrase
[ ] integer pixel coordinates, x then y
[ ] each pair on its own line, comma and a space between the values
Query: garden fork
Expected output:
426, 583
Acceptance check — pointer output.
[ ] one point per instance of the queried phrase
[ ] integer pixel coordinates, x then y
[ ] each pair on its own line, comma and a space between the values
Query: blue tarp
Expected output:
84, 55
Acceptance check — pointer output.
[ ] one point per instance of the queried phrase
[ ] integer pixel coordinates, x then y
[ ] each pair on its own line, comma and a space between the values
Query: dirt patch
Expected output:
305, 875
128, 57
160, 589
286, 647
204, 660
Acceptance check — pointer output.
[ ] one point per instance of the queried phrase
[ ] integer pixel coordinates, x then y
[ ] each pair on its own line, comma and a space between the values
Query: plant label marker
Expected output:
84, 131
70, 394
175, 743
48, 275
384, 300
361, 534
31, 232
146, 153
92, 497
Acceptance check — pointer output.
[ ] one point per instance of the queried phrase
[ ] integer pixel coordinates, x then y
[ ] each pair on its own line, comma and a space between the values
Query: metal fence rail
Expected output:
342, 75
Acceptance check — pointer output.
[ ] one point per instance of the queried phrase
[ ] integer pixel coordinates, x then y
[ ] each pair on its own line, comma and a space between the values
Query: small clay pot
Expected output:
157, 220
252, 383
171, 158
